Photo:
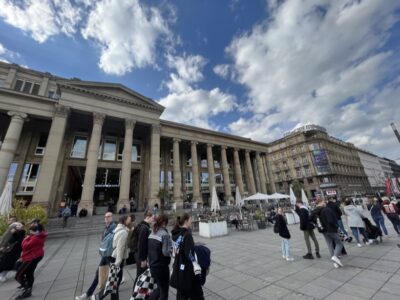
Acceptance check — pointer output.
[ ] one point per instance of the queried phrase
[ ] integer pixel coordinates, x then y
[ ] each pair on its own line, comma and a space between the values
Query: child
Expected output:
281, 228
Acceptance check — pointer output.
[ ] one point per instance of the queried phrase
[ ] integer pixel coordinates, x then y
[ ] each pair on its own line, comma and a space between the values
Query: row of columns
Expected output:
177, 191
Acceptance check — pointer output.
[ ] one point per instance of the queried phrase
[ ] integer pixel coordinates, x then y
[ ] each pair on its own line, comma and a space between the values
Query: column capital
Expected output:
61, 111
194, 142
224, 147
98, 118
176, 140
236, 149
129, 123
247, 151
18, 115
210, 145
156, 128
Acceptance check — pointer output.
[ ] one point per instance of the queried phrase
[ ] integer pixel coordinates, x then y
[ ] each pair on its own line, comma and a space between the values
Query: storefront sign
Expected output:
331, 192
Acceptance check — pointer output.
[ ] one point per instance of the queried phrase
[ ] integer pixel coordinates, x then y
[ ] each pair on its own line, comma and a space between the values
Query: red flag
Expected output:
389, 191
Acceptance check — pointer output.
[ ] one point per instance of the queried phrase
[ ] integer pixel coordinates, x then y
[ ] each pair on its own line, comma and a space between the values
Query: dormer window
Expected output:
27, 87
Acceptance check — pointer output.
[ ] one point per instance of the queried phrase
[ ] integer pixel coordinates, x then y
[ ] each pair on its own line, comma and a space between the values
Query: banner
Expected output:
395, 186
389, 191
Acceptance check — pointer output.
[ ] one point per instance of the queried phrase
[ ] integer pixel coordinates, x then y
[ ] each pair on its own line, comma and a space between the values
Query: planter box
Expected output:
213, 229
261, 225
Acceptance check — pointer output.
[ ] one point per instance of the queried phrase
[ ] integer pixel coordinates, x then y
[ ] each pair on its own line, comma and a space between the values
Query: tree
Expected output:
296, 187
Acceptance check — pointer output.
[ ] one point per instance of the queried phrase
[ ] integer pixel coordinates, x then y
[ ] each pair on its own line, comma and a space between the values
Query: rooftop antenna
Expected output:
396, 132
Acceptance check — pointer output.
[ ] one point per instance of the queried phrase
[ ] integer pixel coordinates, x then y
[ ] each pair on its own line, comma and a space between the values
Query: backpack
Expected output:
203, 255
106, 245
134, 239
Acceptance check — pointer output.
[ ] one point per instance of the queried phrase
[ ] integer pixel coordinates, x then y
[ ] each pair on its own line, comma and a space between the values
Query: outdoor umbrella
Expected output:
238, 198
257, 196
6, 199
278, 196
292, 197
214, 201
304, 198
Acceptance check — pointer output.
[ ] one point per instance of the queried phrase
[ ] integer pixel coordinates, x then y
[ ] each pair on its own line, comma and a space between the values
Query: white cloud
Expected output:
127, 32
188, 104
41, 19
222, 70
7, 55
320, 61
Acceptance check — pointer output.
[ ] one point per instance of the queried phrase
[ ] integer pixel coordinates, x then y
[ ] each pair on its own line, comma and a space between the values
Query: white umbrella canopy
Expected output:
6, 199
214, 201
292, 197
258, 196
238, 198
304, 198
278, 196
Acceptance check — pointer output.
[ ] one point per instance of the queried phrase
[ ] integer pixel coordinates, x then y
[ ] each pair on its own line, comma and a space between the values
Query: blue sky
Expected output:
252, 68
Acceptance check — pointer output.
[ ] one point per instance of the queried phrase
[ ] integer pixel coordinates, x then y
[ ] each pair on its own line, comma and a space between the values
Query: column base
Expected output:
86, 204
229, 200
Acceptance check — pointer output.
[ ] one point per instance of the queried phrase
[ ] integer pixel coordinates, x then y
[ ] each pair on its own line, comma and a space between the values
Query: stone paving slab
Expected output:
245, 265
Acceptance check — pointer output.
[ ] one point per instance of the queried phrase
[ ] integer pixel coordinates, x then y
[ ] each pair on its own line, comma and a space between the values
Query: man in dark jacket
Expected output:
327, 225
142, 244
308, 229
332, 204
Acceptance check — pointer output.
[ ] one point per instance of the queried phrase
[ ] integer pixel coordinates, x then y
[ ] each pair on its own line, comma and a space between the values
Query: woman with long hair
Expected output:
159, 254
188, 285
355, 222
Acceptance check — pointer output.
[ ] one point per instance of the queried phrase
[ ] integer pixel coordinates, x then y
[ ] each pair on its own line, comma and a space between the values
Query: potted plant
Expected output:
260, 219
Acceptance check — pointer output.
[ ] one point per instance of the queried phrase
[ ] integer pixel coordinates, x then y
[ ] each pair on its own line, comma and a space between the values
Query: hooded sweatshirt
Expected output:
354, 216
120, 243
33, 246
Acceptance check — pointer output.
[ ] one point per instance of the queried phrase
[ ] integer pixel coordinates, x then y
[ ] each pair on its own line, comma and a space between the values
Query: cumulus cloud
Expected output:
7, 55
319, 61
188, 104
127, 33
42, 19
222, 70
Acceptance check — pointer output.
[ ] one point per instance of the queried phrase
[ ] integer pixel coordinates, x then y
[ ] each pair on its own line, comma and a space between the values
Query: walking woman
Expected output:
355, 222
159, 254
183, 277
376, 214
392, 212
32, 254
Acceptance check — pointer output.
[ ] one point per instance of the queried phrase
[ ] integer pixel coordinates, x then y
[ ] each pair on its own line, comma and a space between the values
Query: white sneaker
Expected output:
370, 242
3, 279
289, 259
335, 265
283, 256
335, 259
81, 297
359, 245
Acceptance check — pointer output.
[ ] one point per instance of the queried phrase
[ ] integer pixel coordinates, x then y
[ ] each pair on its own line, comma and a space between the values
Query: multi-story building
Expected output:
395, 167
321, 163
373, 170
102, 142
385, 165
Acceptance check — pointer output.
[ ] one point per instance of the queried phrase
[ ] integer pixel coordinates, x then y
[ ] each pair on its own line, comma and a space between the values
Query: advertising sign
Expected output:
330, 192
321, 162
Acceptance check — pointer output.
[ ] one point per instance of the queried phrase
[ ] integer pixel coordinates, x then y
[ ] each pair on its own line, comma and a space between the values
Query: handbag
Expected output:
182, 270
145, 285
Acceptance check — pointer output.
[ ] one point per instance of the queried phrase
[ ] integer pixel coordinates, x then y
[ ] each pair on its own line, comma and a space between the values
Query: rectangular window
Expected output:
35, 89
12, 170
171, 157
217, 164
299, 173
53, 95
27, 87
79, 147
41, 146
2, 81
189, 178
204, 178
219, 179
136, 152
29, 178
203, 163
120, 150
18, 85
110, 150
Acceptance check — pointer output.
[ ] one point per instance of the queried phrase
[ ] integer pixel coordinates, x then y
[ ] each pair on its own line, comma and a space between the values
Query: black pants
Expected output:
139, 271
195, 294
25, 272
161, 276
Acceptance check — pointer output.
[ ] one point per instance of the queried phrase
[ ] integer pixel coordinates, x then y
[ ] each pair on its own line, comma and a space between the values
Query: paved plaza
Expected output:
245, 265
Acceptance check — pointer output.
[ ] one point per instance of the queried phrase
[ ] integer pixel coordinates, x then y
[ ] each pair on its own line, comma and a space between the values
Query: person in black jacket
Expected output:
188, 279
159, 249
327, 225
142, 243
308, 229
332, 204
280, 227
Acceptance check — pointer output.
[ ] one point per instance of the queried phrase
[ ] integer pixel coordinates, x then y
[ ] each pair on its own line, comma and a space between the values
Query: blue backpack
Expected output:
106, 245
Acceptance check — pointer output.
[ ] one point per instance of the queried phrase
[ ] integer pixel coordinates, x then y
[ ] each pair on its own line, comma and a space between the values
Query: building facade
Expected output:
98, 143
321, 163
373, 170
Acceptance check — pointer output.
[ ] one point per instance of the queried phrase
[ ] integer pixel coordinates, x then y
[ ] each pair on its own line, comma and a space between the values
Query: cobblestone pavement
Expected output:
245, 265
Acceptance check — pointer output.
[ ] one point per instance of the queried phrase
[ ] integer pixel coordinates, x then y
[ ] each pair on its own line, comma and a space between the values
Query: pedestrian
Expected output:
392, 212
326, 222
74, 209
376, 214
119, 254
332, 204
104, 261
308, 229
355, 222
159, 254
188, 276
140, 244
280, 227
10, 248
32, 254
132, 205
66, 213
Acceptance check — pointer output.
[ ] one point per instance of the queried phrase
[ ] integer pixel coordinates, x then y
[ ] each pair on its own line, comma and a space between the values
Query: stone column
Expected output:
10, 144
268, 175
154, 165
125, 183
91, 164
250, 176
261, 173
210, 165
46, 182
177, 175
225, 173
195, 173
238, 171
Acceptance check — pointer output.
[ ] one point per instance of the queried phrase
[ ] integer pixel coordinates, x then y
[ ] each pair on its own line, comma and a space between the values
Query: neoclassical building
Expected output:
99, 142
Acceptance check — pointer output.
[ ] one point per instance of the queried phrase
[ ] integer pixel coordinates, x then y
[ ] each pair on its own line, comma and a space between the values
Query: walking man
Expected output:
326, 221
308, 229
104, 261
332, 204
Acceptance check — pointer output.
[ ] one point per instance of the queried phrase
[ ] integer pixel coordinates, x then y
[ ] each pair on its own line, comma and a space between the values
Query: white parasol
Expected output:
6, 199
292, 197
304, 198
214, 201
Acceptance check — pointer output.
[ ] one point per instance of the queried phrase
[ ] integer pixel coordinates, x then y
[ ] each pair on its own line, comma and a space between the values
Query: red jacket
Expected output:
33, 246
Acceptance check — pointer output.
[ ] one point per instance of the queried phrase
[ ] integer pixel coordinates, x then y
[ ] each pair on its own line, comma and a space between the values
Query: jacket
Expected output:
120, 244
144, 232
188, 242
159, 249
108, 229
354, 216
389, 208
375, 210
335, 208
304, 216
33, 246
280, 227
327, 219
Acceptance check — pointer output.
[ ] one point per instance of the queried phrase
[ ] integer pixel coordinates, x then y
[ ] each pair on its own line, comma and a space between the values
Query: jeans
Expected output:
355, 231
307, 235
380, 223
394, 218
341, 227
161, 276
103, 262
334, 243
285, 247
